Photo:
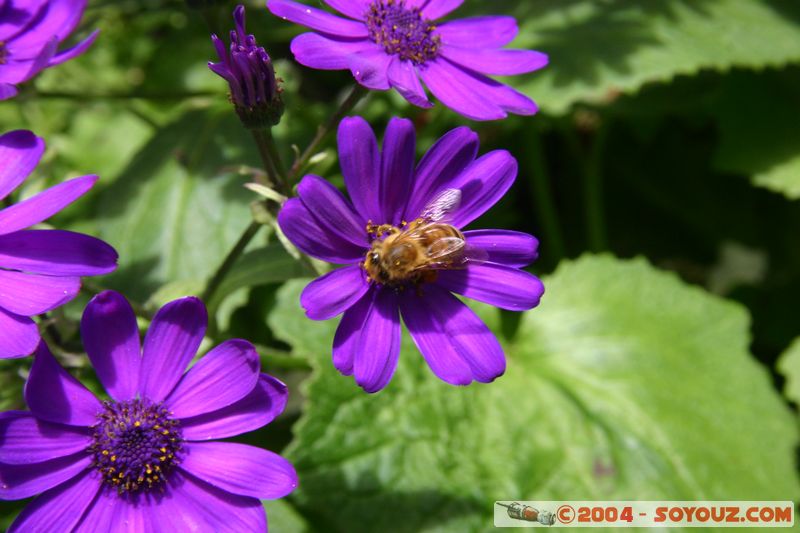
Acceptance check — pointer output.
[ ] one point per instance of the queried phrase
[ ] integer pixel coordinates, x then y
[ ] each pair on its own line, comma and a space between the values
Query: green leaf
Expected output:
282, 517
177, 209
599, 49
624, 384
789, 366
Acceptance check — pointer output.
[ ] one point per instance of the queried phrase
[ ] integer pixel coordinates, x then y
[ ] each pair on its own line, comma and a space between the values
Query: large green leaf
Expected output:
789, 366
624, 384
598, 49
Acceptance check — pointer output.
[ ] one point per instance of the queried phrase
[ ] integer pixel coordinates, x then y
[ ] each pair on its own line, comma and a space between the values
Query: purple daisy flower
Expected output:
394, 43
39, 269
145, 460
30, 32
390, 199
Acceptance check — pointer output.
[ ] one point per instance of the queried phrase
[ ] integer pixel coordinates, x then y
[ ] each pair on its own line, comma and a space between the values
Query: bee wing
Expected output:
442, 206
443, 253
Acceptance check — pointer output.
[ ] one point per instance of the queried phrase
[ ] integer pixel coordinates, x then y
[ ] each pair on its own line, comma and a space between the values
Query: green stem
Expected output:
593, 194
230, 260
356, 94
269, 154
544, 200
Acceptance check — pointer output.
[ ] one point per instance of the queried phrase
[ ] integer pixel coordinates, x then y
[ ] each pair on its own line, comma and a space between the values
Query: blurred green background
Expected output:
662, 177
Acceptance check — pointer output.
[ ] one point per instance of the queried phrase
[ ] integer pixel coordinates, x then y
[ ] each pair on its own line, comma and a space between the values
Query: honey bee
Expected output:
417, 250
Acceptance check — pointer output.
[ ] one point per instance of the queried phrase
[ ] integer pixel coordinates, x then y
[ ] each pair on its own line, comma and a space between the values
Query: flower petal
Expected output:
378, 347
20, 335
510, 248
470, 337
20, 152
58, 20
361, 165
170, 344
7, 91
13, 18
326, 53
370, 67
56, 253
434, 9
75, 51
220, 378
307, 233
266, 401
356, 9
403, 77
502, 286
32, 294
397, 172
44, 205
63, 505
496, 62
241, 469
55, 396
316, 19
109, 512
333, 210
482, 184
334, 293
478, 32
111, 338
23, 481
24, 439
431, 340
440, 166
348, 333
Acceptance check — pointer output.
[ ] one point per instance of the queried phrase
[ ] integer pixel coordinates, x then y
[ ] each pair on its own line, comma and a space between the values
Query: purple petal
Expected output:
24, 439
63, 505
111, 513
498, 285
32, 294
326, 53
472, 94
478, 32
356, 9
14, 18
7, 91
482, 184
378, 347
55, 396
222, 377
361, 166
20, 335
434, 9
170, 344
75, 51
432, 341
332, 209
59, 20
44, 205
469, 336
241, 469
348, 333
23, 481
510, 248
56, 253
440, 166
20, 152
370, 68
257, 409
334, 293
496, 62
307, 233
111, 338
316, 19
397, 172
27, 63
403, 77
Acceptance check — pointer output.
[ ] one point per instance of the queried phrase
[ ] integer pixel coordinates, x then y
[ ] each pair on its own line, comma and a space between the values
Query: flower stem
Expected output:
544, 200
230, 260
593, 194
356, 94
271, 159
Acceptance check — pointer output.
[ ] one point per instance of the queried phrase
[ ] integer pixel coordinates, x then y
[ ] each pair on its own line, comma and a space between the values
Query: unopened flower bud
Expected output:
248, 70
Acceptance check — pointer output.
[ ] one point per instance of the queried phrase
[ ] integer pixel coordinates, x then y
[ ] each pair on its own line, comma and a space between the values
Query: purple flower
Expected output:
394, 43
30, 32
39, 269
144, 460
386, 190
249, 72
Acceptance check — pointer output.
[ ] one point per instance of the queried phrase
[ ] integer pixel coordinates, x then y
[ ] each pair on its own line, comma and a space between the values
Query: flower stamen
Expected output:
402, 31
